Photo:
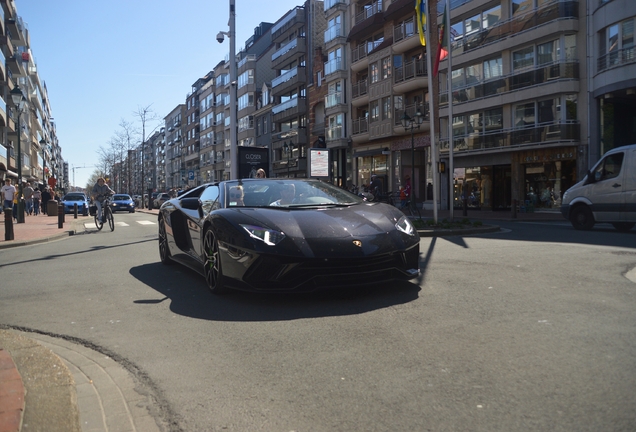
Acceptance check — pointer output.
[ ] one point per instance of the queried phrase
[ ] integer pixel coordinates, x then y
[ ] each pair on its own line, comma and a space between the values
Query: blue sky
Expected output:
101, 60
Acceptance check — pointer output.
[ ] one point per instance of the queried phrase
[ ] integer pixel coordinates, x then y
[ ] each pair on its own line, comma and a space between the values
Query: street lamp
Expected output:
288, 149
44, 146
19, 101
410, 125
233, 89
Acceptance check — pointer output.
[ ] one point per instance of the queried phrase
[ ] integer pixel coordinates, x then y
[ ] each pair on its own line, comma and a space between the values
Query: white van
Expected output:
606, 194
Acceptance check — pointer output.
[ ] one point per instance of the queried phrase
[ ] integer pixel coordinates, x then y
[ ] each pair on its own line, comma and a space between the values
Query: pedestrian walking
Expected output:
37, 197
27, 191
46, 197
8, 193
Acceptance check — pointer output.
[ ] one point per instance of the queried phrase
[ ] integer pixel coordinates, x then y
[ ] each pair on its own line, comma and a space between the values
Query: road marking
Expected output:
631, 275
145, 222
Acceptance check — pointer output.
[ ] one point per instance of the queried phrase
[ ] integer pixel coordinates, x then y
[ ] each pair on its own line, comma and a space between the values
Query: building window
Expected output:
374, 110
523, 58
386, 108
386, 68
375, 73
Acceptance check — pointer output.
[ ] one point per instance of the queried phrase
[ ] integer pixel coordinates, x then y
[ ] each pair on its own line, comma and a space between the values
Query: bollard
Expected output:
75, 211
60, 216
8, 224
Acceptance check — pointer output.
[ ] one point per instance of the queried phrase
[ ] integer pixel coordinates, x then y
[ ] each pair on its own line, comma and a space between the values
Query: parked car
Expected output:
243, 234
606, 194
122, 202
70, 199
160, 199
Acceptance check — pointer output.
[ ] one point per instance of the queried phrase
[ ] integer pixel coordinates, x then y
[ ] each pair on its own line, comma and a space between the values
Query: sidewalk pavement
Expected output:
53, 384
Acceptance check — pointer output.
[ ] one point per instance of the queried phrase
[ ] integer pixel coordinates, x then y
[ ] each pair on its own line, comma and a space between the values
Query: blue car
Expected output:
72, 198
122, 202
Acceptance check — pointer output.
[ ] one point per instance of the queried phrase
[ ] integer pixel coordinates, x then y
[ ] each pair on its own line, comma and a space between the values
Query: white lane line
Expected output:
145, 222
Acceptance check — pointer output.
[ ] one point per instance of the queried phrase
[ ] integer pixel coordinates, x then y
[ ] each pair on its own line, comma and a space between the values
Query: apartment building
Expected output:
295, 35
206, 130
175, 164
40, 156
612, 75
329, 110
389, 79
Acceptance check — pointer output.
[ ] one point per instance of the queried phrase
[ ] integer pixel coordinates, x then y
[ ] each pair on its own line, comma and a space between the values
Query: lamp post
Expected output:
410, 124
288, 149
43, 146
19, 101
233, 89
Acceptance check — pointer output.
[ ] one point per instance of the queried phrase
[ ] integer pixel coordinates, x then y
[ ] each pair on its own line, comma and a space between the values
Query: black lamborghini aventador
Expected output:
286, 235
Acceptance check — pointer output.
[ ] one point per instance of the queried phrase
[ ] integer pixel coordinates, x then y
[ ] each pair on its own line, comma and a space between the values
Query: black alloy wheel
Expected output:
164, 251
212, 264
582, 218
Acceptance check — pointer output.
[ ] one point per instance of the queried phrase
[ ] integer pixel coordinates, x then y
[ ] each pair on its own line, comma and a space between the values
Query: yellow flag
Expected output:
420, 11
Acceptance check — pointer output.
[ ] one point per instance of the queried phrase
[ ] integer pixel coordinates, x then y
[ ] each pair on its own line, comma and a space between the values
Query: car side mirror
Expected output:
190, 203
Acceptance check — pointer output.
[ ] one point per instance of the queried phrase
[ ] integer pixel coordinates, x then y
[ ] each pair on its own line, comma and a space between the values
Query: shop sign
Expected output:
549, 157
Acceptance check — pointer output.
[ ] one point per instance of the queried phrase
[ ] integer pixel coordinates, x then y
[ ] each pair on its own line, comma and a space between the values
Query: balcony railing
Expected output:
505, 138
292, 103
334, 133
404, 30
360, 125
334, 65
284, 77
285, 48
333, 99
556, 10
513, 82
333, 32
616, 58
359, 89
331, 3
369, 11
410, 70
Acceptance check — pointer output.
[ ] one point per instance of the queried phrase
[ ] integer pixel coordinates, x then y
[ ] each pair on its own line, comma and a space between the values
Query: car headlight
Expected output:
268, 236
404, 225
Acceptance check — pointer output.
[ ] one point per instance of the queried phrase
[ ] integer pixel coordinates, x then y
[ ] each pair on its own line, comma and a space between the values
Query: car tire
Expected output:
212, 264
623, 226
164, 250
582, 218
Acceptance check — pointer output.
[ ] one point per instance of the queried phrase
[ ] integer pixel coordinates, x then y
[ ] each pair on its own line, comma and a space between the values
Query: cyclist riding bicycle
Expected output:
99, 193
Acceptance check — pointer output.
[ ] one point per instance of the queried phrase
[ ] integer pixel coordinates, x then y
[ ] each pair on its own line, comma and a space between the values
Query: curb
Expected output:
12, 394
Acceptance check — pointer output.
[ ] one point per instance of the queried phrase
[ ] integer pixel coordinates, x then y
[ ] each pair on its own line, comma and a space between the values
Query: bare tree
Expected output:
145, 115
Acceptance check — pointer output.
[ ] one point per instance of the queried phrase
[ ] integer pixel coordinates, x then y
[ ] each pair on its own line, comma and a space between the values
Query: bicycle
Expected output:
107, 214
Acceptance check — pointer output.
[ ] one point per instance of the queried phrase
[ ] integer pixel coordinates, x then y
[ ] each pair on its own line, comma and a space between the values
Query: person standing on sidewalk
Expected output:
37, 196
8, 193
28, 198
46, 197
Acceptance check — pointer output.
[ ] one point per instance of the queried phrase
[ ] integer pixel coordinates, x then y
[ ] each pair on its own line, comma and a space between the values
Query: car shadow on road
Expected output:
188, 295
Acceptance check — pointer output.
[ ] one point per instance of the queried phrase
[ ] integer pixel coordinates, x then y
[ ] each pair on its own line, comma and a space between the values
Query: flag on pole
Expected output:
442, 47
420, 11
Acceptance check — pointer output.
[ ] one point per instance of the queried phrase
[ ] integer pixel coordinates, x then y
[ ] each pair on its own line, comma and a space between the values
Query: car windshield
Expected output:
73, 198
121, 197
288, 193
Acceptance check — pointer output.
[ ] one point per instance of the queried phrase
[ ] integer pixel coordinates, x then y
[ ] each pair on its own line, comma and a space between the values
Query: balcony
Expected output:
289, 109
17, 65
368, 12
615, 58
15, 26
289, 52
405, 36
505, 139
331, 6
553, 72
411, 76
334, 35
248, 62
555, 11
292, 21
334, 65
288, 81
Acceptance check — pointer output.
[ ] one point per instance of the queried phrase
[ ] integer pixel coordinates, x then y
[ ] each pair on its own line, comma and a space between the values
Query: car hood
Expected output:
336, 231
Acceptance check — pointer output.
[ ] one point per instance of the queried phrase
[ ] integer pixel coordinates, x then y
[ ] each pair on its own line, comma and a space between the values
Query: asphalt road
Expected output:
531, 328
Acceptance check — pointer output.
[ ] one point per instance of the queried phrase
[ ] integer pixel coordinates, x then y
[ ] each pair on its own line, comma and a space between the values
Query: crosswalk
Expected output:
91, 224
